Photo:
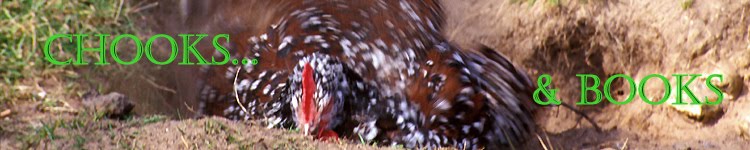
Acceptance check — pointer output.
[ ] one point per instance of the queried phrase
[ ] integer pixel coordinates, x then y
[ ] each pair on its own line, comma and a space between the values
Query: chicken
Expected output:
377, 70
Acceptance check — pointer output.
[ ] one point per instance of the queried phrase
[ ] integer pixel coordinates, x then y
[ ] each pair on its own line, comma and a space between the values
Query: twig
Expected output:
237, 96
541, 142
152, 83
60, 109
624, 146
148, 6
189, 108
551, 146
464, 142
133, 144
5, 113
182, 137
581, 113
119, 9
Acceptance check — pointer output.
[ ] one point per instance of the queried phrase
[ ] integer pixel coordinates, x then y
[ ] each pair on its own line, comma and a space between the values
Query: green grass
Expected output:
687, 4
46, 132
153, 119
25, 25
361, 140
80, 141
77, 130
553, 3
213, 127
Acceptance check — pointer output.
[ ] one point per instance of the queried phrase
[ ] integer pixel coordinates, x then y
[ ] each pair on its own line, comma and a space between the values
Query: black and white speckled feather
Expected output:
386, 70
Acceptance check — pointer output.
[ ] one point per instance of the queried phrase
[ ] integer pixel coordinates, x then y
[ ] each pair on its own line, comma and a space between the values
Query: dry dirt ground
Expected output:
558, 37
632, 37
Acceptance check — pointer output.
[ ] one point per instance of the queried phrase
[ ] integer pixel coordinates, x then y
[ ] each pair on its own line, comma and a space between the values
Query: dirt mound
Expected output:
636, 38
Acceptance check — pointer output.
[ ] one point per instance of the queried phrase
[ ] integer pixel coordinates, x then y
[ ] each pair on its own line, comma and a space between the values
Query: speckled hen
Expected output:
376, 70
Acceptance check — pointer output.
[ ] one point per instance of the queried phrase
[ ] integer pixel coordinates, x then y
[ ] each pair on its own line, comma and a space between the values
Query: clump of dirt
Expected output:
113, 105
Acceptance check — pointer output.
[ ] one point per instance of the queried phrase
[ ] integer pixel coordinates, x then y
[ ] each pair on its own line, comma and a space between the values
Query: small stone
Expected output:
732, 83
703, 112
5, 113
113, 105
700, 112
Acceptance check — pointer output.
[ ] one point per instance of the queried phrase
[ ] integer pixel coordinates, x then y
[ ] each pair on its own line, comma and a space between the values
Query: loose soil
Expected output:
560, 38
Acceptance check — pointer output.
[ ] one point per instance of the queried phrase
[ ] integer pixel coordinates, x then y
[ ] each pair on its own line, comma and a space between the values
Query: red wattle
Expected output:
327, 135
